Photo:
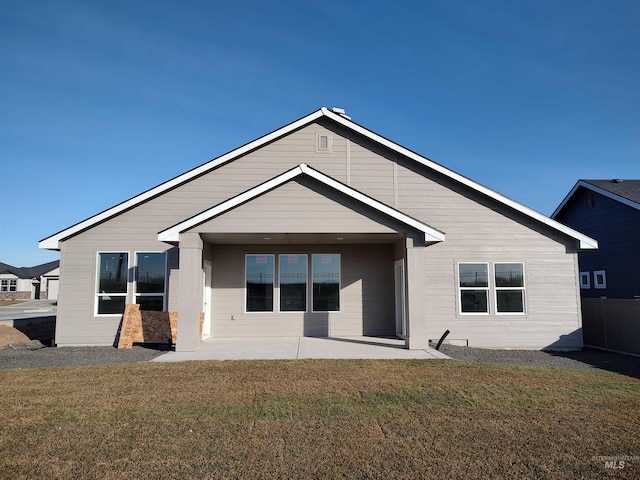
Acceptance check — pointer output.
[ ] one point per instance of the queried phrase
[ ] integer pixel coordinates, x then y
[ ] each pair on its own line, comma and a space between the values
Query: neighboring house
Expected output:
21, 283
324, 228
609, 211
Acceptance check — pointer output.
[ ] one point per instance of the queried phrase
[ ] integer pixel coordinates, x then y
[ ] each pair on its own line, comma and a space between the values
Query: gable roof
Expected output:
29, 272
623, 191
172, 234
52, 242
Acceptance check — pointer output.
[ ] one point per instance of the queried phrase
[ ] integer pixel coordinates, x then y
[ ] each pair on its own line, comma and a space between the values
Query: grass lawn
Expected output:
317, 419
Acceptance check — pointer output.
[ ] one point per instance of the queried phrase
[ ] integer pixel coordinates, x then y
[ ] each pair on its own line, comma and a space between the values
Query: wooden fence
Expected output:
612, 324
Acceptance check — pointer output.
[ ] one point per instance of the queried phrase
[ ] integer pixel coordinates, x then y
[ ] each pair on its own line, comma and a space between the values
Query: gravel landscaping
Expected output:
34, 355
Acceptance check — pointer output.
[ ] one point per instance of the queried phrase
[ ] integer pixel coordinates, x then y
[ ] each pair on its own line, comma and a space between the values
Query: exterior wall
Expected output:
476, 229
617, 228
299, 206
76, 322
366, 300
23, 288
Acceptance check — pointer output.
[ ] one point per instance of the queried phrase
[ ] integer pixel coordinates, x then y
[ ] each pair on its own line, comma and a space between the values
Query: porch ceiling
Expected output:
300, 238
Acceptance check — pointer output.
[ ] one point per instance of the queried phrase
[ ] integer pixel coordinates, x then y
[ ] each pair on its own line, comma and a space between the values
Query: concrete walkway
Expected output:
28, 309
291, 348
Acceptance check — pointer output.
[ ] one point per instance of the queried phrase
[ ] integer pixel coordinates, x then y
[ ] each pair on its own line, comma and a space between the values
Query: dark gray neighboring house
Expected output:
609, 211
22, 283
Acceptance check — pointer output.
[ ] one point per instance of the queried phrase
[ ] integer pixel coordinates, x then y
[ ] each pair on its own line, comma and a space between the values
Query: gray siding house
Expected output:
324, 228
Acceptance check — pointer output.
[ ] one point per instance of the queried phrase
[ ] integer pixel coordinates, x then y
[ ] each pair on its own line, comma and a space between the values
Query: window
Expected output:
8, 285
599, 279
585, 280
150, 280
259, 275
473, 282
113, 275
325, 270
293, 283
509, 278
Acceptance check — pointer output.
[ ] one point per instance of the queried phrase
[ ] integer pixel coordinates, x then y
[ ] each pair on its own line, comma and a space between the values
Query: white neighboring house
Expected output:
23, 283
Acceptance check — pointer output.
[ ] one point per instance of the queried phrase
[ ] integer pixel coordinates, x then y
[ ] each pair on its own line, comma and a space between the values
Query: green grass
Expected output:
316, 419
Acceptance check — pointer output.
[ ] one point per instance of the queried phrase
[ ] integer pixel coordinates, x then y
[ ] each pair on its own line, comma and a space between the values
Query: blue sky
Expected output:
100, 100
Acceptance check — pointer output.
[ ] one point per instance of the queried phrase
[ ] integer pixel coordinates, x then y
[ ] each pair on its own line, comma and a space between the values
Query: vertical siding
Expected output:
617, 228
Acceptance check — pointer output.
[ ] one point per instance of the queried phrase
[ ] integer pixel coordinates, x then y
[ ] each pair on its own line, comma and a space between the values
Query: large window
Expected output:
509, 278
150, 280
293, 287
113, 277
293, 282
8, 285
325, 269
473, 282
259, 283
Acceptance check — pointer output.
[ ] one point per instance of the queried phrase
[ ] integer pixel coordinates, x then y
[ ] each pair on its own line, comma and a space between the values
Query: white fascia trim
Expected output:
173, 234
585, 241
601, 191
53, 242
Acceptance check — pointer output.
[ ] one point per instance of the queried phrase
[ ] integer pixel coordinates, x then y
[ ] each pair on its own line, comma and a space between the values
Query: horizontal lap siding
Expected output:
293, 207
477, 232
137, 229
367, 279
475, 229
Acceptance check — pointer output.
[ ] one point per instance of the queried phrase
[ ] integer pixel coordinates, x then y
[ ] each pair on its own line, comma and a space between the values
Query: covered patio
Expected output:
296, 348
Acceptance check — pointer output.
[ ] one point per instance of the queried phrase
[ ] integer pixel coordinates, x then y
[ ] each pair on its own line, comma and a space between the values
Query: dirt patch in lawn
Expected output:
12, 336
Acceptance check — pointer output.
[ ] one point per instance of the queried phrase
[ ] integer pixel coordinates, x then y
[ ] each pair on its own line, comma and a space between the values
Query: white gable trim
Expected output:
172, 234
53, 242
601, 191
585, 241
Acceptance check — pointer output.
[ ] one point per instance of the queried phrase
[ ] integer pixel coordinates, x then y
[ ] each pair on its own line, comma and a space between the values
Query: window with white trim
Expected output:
150, 280
585, 280
325, 271
8, 285
292, 282
112, 283
473, 283
509, 286
259, 276
599, 279
293, 287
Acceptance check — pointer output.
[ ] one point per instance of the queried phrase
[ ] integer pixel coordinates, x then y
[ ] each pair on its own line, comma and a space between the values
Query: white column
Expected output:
416, 314
190, 289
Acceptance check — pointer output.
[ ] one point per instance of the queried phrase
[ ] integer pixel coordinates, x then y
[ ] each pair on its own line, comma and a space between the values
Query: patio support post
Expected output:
190, 288
416, 314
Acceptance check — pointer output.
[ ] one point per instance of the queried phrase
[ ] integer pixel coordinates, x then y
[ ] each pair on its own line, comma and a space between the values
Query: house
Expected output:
22, 283
324, 228
608, 210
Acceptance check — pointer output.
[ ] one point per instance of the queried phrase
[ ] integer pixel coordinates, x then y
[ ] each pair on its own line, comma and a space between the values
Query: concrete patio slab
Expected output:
291, 348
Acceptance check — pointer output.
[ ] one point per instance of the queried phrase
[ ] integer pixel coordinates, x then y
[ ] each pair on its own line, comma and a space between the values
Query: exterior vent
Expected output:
323, 142
341, 112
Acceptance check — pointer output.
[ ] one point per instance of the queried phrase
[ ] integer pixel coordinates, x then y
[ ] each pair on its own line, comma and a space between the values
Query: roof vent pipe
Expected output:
341, 112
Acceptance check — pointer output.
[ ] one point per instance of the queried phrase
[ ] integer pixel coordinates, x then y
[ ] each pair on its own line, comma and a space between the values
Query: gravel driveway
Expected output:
35, 356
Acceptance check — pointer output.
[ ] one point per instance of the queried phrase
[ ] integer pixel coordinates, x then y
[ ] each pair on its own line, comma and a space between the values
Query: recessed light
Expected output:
267, 238
339, 238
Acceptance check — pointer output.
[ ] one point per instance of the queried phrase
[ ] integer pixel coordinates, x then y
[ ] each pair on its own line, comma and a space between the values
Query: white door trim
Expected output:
206, 299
